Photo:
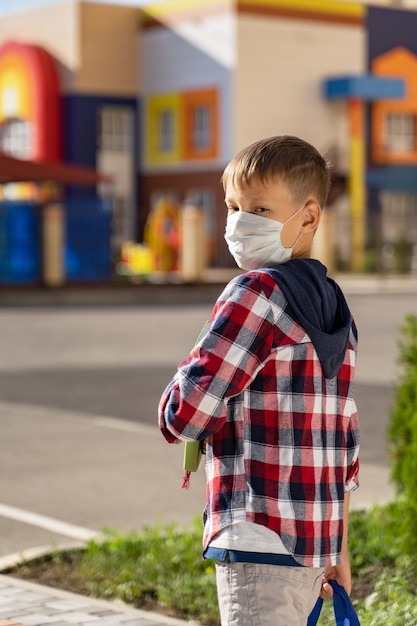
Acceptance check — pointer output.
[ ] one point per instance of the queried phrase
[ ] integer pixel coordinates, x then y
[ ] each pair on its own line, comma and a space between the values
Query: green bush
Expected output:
159, 567
402, 434
163, 565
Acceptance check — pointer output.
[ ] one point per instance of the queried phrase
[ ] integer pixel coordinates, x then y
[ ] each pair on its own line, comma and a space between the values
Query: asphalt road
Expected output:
79, 389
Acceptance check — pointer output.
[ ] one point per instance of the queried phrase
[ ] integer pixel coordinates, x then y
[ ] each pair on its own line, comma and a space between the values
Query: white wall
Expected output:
188, 54
192, 55
281, 66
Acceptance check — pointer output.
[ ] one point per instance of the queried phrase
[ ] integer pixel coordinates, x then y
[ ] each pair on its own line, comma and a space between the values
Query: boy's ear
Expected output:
311, 216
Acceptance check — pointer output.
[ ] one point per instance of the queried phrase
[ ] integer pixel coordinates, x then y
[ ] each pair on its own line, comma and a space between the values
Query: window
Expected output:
399, 215
201, 128
116, 156
400, 132
162, 129
180, 127
200, 121
116, 129
16, 138
165, 130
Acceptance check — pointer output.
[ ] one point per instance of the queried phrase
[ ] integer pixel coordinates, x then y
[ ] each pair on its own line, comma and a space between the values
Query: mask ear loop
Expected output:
296, 241
290, 218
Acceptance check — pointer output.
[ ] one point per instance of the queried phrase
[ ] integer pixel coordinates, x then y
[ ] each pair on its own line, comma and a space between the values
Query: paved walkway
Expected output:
26, 604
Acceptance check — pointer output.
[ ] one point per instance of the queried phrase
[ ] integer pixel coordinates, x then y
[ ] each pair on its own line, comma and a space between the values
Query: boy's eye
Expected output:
261, 209
231, 209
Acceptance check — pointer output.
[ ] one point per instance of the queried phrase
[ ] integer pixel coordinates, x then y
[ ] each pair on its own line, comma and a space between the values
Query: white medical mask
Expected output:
255, 241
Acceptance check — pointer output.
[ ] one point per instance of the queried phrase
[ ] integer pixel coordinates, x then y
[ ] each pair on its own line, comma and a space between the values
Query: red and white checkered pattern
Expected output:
282, 440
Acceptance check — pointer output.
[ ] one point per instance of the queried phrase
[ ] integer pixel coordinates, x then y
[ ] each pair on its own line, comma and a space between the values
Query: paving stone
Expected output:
99, 621
45, 610
125, 619
4, 600
20, 606
12, 591
9, 612
110, 616
16, 617
66, 605
130, 620
76, 617
35, 619
27, 605
58, 624
31, 596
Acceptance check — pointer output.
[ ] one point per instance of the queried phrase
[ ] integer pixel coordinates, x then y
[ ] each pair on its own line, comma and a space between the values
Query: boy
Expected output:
269, 389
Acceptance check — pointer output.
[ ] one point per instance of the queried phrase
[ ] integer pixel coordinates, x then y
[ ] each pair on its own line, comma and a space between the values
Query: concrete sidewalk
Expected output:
26, 604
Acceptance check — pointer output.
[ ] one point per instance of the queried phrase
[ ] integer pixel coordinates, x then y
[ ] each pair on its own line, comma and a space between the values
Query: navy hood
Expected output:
319, 304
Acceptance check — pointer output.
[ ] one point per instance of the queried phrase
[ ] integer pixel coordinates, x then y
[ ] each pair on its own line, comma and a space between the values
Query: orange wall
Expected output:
399, 62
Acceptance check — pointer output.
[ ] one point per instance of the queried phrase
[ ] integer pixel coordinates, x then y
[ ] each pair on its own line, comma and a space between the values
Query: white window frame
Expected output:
116, 156
116, 128
399, 214
400, 128
17, 138
202, 127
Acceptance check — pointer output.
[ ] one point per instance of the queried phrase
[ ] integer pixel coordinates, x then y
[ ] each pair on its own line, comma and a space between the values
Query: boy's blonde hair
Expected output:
297, 163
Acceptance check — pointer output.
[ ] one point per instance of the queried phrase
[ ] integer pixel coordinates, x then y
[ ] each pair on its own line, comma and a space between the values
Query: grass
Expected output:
161, 569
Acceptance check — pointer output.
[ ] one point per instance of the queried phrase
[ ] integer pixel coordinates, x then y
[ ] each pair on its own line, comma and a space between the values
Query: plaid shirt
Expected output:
282, 440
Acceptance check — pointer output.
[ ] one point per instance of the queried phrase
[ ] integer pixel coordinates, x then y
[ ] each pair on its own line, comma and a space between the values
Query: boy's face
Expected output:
271, 199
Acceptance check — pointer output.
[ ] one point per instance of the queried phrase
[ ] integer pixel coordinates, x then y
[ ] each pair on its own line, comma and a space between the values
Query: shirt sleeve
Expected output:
221, 365
352, 476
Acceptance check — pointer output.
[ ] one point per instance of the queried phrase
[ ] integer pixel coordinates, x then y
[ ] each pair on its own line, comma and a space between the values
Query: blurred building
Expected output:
69, 94
226, 74
162, 97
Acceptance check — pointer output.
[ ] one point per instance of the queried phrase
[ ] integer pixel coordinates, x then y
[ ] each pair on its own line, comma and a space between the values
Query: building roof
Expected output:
14, 170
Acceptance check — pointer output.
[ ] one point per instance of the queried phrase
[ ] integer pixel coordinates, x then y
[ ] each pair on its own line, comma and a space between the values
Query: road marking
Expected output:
126, 425
48, 523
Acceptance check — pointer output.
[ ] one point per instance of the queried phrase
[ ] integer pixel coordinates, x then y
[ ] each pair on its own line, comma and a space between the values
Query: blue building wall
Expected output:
87, 252
80, 132
388, 29
20, 243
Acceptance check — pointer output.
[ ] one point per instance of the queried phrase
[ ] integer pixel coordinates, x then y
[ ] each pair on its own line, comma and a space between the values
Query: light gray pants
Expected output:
252, 594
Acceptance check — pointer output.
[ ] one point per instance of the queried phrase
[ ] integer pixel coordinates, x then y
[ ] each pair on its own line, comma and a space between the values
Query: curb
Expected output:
171, 293
30, 554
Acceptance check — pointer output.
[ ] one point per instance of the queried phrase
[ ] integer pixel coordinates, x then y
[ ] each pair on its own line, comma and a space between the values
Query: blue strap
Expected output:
344, 612
313, 618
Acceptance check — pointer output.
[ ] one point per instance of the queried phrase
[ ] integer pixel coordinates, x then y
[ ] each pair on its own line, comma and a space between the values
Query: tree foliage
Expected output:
402, 432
